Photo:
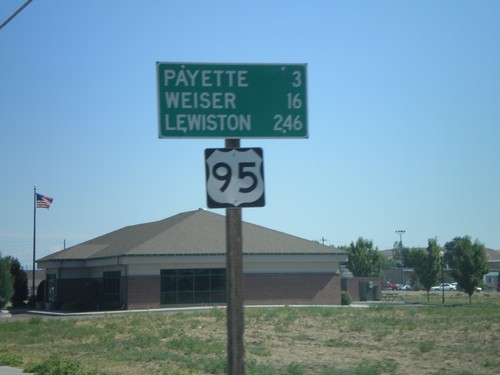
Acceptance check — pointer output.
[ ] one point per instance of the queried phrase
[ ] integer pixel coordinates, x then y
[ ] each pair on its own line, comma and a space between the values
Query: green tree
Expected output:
401, 255
406, 258
20, 283
427, 264
364, 259
468, 262
396, 253
6, 283
386, 263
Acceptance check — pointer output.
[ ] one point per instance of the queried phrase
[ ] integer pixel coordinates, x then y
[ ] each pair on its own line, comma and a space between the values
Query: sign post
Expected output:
234, 285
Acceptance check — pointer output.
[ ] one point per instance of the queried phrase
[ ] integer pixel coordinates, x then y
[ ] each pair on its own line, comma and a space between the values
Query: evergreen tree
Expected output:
6, 283
20, 283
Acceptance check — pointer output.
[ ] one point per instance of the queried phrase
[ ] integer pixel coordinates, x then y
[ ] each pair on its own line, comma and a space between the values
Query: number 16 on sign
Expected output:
235, 177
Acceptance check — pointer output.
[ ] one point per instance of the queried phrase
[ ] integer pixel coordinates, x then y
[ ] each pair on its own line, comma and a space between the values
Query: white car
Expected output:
478, 289
444, 286
405, 287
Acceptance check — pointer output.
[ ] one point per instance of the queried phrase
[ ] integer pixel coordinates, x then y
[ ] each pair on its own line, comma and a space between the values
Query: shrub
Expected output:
426, 346
56, 366
40, 292
20, 283
10, 359
295, 369
6, 282
345, 298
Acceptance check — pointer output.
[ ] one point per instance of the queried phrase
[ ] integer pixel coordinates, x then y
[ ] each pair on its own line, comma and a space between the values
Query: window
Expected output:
193, 286
491, 279
111, 286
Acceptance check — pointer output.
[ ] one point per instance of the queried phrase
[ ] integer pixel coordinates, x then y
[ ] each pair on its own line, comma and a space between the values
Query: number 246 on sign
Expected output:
235, 177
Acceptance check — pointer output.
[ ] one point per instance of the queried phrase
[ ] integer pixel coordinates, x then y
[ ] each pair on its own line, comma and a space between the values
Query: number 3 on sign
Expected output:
235, 177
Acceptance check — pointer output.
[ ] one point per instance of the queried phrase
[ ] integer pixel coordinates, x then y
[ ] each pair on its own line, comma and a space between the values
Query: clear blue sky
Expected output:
404, 117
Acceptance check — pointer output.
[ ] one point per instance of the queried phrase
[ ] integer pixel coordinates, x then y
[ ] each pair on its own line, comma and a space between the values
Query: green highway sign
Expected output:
198, 100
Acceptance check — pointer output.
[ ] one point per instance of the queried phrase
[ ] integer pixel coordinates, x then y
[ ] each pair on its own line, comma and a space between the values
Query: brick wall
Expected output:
283, 289
143, 292
288, 289
316, 289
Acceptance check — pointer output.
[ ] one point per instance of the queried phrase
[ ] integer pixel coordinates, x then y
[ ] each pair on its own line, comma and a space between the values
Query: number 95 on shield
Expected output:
235, 177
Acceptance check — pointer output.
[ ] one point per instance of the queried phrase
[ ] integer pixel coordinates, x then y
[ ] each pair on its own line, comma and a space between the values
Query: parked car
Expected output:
393, 286
444, 286
405, 287
478, 289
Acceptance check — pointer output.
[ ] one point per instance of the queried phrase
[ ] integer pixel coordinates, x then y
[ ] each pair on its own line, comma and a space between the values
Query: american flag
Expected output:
43, 201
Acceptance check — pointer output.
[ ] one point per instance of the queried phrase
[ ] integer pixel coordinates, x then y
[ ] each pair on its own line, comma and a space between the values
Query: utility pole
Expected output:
441, 255
400, 232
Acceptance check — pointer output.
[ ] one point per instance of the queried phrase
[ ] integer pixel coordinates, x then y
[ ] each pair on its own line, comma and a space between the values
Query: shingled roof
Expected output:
197, 232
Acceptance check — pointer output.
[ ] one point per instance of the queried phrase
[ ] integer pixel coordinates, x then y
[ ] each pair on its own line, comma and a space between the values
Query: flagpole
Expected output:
34, 241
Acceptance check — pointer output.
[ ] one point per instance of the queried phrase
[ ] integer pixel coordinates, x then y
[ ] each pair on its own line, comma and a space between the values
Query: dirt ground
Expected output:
398, 340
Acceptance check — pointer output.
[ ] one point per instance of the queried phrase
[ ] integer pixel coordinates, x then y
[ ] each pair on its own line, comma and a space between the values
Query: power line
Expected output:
15, 13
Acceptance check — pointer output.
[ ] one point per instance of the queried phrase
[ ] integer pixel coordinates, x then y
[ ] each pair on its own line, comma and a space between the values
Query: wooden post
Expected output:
234, 285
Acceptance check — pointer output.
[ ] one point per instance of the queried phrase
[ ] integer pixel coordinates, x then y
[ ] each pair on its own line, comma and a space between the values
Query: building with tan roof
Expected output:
181, 261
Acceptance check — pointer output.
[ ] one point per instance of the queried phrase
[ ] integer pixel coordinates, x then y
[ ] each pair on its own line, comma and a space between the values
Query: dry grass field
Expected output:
411, 338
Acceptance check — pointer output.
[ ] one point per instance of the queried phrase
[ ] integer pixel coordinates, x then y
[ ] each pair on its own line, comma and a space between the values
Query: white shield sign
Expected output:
235, 177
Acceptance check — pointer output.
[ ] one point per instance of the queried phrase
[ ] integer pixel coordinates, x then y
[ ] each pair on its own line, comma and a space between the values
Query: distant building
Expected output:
492, 279
181, 261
